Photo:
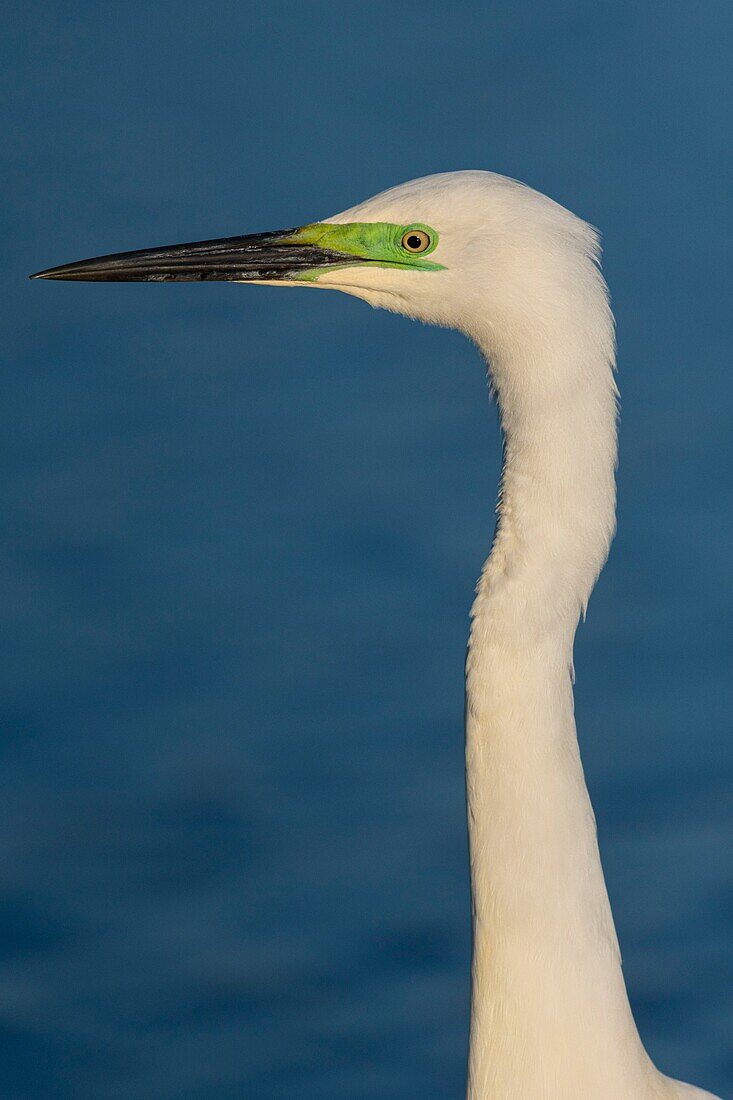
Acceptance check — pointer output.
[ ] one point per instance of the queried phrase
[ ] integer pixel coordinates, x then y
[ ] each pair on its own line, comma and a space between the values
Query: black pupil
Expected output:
413, 241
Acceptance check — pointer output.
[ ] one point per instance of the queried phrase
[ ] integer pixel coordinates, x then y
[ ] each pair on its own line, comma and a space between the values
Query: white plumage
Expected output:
550, 1017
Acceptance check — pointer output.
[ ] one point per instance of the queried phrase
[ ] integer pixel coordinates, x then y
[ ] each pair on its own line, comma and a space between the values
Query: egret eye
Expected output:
416, 240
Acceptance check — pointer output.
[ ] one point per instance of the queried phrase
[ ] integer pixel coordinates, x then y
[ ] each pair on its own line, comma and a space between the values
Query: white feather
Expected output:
550, 1016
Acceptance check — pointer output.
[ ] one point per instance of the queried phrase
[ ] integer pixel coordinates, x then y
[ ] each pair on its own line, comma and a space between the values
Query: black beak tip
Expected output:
67, 272
49, 273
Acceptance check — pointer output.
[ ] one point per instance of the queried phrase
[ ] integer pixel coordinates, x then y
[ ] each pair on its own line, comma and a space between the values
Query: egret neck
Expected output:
550, 1015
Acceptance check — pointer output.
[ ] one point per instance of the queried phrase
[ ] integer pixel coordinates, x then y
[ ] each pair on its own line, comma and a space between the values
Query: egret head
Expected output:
462, 249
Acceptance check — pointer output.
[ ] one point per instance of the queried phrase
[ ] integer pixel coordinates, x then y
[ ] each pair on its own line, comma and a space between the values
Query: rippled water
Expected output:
243, 528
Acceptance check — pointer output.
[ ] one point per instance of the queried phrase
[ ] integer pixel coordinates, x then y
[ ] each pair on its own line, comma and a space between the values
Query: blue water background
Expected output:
242, 528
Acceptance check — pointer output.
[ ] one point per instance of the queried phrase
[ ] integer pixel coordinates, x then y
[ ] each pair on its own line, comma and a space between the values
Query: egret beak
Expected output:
286, 255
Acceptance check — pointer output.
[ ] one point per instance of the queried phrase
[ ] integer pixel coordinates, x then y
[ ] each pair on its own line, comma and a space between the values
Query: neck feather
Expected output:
550, 1015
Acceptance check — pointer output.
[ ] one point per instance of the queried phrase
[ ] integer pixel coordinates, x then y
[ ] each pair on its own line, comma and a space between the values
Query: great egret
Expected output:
520, 276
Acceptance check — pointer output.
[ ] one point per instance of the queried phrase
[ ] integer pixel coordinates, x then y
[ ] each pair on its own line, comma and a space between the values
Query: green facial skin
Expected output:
376, 244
